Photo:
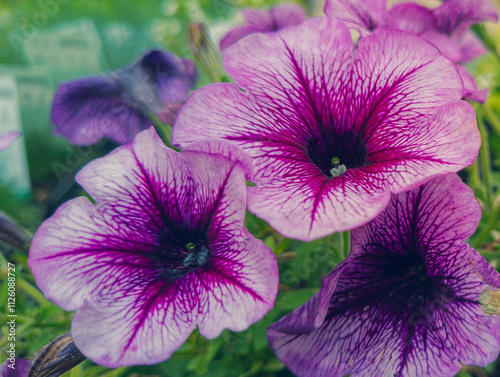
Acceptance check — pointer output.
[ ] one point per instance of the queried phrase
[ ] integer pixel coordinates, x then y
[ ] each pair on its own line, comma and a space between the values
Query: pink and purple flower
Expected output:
118, 105
163, 250
412, 298
333, 131
265, 21
446, 27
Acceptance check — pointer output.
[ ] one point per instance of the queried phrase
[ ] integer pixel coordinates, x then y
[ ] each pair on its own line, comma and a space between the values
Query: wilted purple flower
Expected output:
163, 250
19, 368
118, 105
410, 300
262, 21
333, 132
8, 138
447, 27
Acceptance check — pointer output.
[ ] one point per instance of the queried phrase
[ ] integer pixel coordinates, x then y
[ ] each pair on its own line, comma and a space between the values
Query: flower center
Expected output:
197, 257
180, 253
337, 168
335, 153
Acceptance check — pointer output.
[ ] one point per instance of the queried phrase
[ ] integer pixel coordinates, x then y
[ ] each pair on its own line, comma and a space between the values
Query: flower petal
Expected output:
226, 149
294, 103
172, 76
305, 204
145, 322
470, 46
459, 15
287, 68
472, 93
86, 110
395, 74
115, 260
362, 15
410, 17
241, 286
386, 317
446, 44
261, 21
8, 138
412, 157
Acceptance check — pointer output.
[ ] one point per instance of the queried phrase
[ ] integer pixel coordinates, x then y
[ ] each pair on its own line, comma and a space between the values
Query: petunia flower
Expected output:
447, 27
118, 105
8, 138
265, 21
412, 298
332, 132
163, 250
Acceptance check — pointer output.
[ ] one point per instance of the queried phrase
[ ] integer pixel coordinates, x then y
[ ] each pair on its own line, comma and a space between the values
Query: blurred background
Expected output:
46, 42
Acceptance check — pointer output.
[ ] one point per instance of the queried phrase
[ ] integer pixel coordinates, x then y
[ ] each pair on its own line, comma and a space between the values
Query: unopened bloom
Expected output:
265, 21
118, 105
447, 27
333, 132
412, 298
8, 138
163, 250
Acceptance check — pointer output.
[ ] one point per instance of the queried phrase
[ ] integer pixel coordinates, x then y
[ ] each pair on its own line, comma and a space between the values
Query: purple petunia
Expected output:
118, 105
412, 298
163, 250
262, 21
447, 27
8, 138
333, 132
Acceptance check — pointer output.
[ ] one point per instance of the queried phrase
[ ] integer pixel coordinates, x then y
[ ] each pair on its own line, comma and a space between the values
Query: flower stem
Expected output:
33, 292
474, 178
485, 161
346, 244
282, 246
492, 118
164, 130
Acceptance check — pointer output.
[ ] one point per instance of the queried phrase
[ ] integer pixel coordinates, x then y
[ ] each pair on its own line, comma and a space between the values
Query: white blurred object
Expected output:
13, 162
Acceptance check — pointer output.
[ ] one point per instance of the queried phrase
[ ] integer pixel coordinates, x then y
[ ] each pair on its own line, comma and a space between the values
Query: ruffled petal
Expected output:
304, 204
472, 93
458, 15
117, 105
410, 17
163, 249
173, 77
362, 15
395, 74
412, 157
296, 113
144, 321
446, 45
86, 110
240, 287
261, 21
407, 300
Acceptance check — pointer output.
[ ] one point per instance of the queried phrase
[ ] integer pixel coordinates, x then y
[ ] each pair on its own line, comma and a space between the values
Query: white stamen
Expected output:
189, 259
338, 171
202, 256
